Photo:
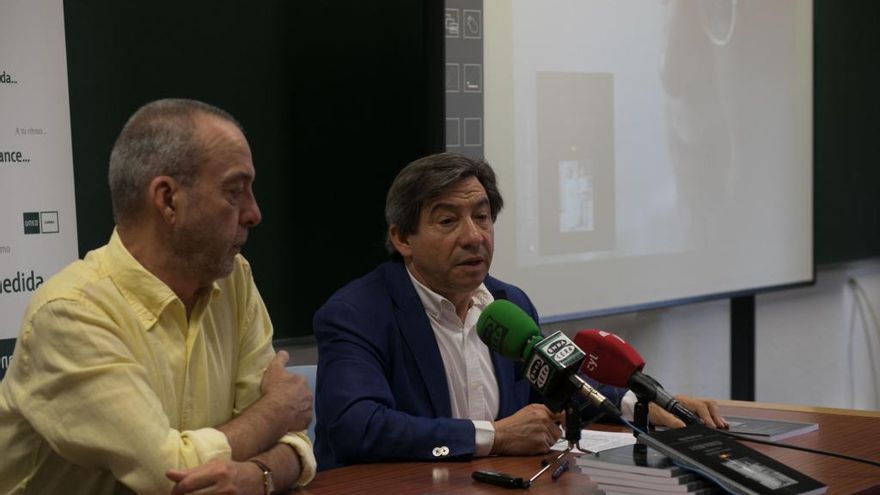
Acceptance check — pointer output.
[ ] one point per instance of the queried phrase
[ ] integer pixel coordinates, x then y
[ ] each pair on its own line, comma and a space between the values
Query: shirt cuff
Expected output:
628, 405
301, 444
202, 445
484, 432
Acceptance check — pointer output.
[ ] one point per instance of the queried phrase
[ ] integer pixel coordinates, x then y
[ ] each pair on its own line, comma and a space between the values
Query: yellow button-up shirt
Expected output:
111, 385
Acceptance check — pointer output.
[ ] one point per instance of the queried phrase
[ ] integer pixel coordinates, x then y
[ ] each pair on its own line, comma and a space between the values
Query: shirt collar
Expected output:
434, 303
149, 295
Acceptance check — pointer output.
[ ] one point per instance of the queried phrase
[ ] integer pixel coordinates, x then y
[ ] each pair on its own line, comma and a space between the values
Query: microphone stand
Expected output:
640, 421
573, 425
640, 416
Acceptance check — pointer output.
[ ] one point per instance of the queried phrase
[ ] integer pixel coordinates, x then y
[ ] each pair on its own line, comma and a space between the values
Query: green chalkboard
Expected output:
847, 130
335, 97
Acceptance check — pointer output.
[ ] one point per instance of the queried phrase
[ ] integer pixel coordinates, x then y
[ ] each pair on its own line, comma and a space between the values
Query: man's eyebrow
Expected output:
445, 205
440, 205
238, 176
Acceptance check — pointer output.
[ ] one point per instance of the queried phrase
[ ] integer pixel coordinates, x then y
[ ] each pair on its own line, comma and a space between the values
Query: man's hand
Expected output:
286, 405
217, 476
531, 430
288, 392
706, 409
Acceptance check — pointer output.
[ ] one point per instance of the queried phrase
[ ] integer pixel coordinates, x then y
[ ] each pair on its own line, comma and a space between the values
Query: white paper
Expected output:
597, 441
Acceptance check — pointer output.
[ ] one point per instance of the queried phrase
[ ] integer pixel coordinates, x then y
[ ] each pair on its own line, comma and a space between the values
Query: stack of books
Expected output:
729, 463
697, 459
769, 429
638, 469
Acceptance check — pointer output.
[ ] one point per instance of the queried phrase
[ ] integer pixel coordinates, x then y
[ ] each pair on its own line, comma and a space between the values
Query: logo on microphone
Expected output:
494, 334
562, 350
592, 362
539, 372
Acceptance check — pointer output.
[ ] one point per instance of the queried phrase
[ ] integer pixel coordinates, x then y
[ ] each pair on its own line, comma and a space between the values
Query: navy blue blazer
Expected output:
381, 392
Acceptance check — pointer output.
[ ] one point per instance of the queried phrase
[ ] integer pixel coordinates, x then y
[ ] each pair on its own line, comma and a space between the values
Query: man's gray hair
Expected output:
427, 178
159, 139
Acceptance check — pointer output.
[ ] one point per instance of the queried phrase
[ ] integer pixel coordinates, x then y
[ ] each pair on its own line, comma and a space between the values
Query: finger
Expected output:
708, 411
700, 407
715, 412
175, 475
281, 358
535, 410
546, 444
191, 485
550, 441
551, 431
556, 433
663, 418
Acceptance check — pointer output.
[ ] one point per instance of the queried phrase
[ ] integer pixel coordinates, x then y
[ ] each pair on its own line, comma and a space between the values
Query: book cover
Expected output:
619, 477
627, 490
768, 429
636, 459
651, 483
739, 468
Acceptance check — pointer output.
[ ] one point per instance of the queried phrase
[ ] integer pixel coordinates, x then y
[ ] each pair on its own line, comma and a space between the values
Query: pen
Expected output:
561, 468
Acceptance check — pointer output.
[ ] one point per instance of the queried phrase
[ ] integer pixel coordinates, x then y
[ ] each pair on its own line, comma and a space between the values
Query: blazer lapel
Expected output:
416, 331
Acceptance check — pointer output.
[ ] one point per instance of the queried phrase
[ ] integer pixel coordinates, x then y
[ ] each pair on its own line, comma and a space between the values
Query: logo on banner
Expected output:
7, 78
27, 281
41, 222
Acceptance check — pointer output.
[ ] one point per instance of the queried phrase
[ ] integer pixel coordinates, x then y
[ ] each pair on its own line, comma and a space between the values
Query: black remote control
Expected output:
500, 479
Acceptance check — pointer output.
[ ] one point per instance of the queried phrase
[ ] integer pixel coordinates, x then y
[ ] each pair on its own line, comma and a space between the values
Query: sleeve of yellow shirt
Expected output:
256, 352
82, 390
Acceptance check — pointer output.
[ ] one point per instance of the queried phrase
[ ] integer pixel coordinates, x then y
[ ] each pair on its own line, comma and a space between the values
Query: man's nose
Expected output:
250, 215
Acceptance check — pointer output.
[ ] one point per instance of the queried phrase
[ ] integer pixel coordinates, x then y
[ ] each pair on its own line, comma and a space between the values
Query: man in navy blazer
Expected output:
402, 374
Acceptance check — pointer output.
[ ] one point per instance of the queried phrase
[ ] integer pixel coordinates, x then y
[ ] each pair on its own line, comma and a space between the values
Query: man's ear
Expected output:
163, 197
400, 241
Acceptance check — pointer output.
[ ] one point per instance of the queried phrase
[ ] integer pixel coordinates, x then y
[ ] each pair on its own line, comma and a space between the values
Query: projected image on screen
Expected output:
575, 197
649, 151
576, 143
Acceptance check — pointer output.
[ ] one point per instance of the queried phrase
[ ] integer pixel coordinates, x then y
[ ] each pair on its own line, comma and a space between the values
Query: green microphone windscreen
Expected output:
507, 330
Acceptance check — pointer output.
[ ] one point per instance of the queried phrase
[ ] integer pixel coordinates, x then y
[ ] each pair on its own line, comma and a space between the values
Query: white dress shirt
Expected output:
473, 389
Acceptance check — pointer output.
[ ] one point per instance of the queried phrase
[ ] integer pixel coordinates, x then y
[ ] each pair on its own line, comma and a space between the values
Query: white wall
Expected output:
686, 348
802, 337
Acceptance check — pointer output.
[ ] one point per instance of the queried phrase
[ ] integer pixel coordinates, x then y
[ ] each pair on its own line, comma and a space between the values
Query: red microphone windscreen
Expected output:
610, 359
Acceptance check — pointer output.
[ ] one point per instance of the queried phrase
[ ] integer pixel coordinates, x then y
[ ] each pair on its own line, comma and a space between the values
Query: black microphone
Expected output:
551, 363
611, 360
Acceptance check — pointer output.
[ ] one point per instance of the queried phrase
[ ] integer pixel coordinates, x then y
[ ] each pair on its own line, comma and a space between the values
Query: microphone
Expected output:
612, 361
551, 363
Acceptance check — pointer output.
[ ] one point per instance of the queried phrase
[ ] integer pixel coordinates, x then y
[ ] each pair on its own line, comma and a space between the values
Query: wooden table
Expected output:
855, 433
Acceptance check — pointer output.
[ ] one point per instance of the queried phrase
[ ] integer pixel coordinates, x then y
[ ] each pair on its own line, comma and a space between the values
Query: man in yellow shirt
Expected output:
148, 366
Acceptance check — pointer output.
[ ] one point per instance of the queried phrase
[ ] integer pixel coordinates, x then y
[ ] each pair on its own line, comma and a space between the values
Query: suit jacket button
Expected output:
444, 450
438, 452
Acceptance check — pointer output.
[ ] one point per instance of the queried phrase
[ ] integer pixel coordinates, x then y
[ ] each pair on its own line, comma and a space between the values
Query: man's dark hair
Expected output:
427, 178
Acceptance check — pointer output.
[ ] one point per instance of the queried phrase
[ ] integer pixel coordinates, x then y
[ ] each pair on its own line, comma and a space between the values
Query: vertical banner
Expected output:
37, 217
